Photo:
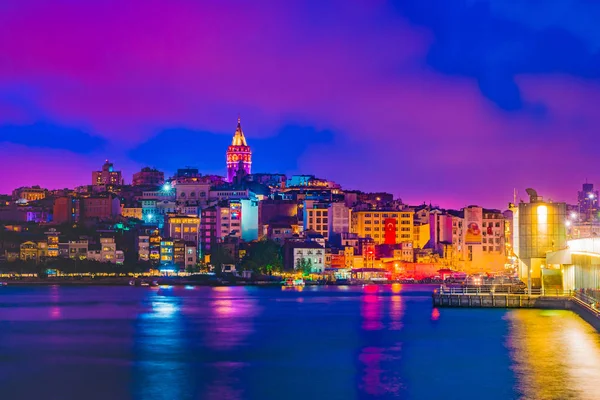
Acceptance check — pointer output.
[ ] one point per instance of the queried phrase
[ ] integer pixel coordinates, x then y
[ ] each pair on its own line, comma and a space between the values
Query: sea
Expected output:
321, 342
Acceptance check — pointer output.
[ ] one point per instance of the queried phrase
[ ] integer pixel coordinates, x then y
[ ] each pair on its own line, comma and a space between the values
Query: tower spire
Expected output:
239, 155
238, 137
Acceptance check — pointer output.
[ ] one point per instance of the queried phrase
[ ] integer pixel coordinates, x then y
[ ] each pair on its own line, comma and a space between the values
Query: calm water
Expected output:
268, 343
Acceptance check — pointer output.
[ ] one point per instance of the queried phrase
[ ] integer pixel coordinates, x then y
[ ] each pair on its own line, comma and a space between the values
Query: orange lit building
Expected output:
373, 223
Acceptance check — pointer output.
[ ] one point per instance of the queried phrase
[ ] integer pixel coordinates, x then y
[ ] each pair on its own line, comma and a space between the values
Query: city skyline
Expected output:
440, 115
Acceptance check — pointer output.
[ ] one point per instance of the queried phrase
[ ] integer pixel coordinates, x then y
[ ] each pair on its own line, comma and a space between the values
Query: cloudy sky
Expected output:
448, 101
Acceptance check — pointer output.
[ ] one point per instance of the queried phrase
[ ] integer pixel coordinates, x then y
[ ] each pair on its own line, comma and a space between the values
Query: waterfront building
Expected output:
182, 227
74, 249
28, 194
578, 264
191, 255
33, 251
297, 252
107, 176
184, 255
154, 240
107, 253
539, 227
239, 155
481, 244
384, 225
148, 177
52, 238
143, 247
167, 250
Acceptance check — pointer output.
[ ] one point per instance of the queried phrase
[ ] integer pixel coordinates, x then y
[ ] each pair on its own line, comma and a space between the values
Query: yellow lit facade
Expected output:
131, 212
371, 224
421, 235
166, 251
184, 227
32, 251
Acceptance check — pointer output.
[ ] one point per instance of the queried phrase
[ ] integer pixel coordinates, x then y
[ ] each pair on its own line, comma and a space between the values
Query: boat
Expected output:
132, 282
293, 282
3, 284
144, 283
154, 283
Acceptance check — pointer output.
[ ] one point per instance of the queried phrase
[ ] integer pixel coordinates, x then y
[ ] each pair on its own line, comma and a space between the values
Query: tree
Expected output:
219, 256
263, 256
191, 269
304, 265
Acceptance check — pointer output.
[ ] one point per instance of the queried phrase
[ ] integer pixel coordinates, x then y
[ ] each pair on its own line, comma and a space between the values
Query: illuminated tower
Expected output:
239, 154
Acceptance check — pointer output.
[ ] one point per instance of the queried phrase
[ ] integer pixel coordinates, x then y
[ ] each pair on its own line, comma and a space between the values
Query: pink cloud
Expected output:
125, 70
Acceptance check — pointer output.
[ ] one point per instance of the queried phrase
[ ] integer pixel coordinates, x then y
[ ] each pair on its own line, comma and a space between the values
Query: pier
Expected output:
585, 306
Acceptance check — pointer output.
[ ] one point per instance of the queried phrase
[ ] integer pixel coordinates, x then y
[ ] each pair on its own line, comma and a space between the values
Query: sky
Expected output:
453, 102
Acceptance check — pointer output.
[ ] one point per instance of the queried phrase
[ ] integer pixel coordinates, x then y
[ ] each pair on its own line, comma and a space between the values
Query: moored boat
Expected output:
293, 282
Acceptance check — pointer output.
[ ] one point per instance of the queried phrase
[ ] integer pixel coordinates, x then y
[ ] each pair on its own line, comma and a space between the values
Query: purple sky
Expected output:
448, 101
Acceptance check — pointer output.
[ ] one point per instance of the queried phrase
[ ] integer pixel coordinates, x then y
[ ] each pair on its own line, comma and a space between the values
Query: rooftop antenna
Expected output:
515, 196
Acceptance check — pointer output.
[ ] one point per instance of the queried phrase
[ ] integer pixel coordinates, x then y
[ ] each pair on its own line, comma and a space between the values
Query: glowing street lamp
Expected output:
573, 215
167, 187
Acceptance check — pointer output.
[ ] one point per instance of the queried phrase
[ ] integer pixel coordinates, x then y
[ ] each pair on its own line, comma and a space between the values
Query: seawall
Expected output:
579, 307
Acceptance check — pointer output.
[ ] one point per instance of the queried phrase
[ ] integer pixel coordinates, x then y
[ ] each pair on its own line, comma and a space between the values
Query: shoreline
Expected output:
177, 282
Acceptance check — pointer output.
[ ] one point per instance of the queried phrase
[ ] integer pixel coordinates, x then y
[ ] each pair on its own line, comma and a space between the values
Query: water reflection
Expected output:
556, 355
396, 313
382, 318
227, 323
160, 370
55, 312
371, 312
231, 320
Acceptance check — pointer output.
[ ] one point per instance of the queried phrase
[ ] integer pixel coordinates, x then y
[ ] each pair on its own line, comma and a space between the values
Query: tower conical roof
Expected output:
238, 138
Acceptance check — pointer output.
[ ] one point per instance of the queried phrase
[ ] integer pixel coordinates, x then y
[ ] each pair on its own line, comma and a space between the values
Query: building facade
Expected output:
148, 177
29, 193
183, 227
107, 176
381, 224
